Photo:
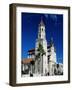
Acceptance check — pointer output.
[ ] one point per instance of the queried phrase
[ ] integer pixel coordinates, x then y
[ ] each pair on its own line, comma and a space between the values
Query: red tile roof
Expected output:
27, 60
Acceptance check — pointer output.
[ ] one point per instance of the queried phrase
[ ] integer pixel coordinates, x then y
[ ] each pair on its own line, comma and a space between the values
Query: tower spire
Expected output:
41, 22
41, 32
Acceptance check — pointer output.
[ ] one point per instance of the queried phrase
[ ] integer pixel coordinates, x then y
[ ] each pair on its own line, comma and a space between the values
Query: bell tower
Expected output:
41, 65
41, 31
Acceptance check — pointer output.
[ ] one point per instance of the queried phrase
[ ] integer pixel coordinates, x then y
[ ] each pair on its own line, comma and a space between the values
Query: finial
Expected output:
52, 41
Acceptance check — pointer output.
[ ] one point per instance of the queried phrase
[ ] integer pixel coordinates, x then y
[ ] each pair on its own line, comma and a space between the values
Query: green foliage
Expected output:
41, 51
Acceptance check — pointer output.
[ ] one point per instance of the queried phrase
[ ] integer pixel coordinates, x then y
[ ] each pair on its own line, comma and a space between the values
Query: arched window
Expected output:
42, 29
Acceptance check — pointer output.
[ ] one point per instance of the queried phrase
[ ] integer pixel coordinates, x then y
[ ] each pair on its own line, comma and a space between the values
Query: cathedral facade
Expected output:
42, 60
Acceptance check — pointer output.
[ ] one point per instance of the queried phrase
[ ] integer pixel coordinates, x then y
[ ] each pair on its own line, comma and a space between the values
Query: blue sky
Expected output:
54, 28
